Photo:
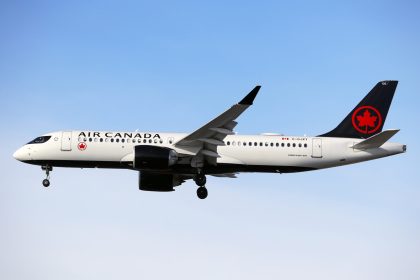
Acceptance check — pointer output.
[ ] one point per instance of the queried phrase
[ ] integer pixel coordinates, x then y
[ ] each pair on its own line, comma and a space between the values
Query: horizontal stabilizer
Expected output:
376, 140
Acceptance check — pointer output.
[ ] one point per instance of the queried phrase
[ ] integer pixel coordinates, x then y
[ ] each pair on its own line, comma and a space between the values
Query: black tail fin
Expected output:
368, 117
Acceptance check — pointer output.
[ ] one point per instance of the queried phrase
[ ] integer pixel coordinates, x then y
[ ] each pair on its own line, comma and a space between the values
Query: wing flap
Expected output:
222, 130
212, 141
231, 125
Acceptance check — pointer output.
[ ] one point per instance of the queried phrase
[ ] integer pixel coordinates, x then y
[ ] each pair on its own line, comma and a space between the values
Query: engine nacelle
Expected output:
151, 157
156, 182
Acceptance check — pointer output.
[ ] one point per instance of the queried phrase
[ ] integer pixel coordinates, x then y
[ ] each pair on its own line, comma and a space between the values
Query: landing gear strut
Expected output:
200, 180
47, 169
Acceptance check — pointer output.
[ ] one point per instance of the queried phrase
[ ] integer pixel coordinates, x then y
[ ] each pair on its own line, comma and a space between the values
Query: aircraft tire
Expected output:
202, 192
200, 180
46, 183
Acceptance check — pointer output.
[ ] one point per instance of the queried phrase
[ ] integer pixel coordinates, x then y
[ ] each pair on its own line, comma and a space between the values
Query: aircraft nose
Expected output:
20, 154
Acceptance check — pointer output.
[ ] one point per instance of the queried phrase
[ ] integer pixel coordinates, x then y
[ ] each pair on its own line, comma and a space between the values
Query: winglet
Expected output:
249, 99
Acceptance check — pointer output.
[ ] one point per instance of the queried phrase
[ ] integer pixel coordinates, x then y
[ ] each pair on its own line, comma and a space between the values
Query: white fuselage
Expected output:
241, 153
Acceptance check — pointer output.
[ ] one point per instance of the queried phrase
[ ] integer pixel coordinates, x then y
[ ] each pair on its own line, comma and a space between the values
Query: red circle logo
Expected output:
82, 146
366, 119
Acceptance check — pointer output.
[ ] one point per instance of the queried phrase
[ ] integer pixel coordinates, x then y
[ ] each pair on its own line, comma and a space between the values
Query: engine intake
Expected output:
152, 157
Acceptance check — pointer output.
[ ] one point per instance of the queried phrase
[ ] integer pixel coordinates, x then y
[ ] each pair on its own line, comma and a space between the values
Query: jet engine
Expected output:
156, 182
151, 157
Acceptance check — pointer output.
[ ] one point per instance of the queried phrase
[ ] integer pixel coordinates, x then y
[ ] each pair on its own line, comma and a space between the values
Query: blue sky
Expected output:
172, 66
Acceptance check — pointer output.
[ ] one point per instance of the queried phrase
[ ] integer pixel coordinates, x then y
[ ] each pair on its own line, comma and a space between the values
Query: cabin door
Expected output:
317, 148
66, 141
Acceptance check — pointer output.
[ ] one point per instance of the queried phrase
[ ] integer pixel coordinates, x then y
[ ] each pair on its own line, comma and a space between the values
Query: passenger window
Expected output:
261, 144
250, 144
255, 144
117, 140
144, 141
101, 140
266, 144
239, 143
90, 139
300, 145
228, 143
282, 144
112, 140
122, 140
96, 139
244, 143
288, 144
294, 145
271, 144
305, 145
277, 144
150, 141
233, 143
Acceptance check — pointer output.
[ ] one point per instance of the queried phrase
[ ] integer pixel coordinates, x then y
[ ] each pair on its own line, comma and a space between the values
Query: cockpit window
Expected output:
39, 140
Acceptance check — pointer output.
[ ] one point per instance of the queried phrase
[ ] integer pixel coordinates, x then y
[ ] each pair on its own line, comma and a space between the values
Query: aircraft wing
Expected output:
211, 135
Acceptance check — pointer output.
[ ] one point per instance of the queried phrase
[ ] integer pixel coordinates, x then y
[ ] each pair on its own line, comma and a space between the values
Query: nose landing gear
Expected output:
47, 169
200, 180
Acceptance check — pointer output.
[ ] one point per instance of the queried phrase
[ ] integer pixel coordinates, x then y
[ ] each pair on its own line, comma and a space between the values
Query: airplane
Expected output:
166, 160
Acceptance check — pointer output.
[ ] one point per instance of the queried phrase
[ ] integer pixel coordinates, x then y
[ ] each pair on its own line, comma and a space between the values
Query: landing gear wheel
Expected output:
200, 180
46, 183
47, 169
202, 192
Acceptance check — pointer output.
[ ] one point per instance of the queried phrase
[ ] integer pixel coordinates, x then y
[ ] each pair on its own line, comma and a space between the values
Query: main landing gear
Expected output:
46, 181
200, 180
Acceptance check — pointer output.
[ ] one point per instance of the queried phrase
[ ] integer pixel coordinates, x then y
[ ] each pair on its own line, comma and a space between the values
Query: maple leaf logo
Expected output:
82, 146
366, 119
